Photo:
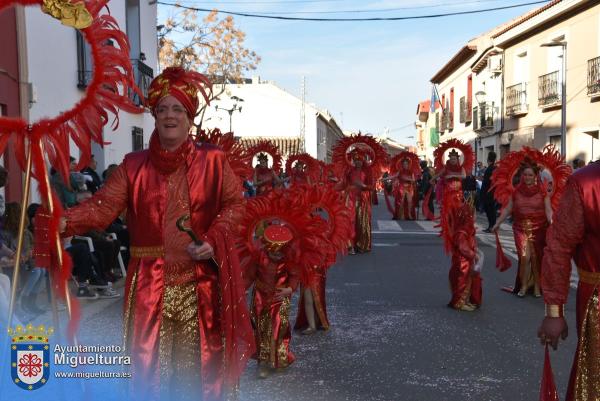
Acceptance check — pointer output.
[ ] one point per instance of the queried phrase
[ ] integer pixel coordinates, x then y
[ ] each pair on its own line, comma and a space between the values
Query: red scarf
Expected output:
168, 162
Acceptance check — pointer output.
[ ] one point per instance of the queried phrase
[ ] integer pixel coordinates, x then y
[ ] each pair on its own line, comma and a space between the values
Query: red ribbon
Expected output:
502, 262
548, 387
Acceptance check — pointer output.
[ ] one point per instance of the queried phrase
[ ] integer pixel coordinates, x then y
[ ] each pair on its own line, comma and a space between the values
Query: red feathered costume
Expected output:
265, 177
575, 233
451, 172
186, 323
283, 244
405, 170
465, 283
359, 160
527, 204
329, 204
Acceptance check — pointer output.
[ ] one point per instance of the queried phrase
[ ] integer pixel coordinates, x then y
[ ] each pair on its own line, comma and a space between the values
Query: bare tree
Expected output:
212, 46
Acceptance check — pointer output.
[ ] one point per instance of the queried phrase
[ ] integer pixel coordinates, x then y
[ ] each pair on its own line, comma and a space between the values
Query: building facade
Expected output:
503, 89
257, 109
60, 68
534, 47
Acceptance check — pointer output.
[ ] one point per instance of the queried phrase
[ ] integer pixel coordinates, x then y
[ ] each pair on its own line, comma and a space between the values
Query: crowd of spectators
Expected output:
97, 256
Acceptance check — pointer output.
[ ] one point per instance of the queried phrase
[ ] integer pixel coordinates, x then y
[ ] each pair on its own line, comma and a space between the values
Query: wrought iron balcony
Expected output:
516, 99
143, 77
483, 116
549, 90
593, 77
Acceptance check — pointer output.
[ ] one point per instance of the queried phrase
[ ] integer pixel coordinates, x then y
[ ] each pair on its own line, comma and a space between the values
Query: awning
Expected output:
287, 145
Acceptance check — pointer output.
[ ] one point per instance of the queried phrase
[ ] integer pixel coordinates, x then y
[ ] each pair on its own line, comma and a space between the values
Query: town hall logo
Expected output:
30, 356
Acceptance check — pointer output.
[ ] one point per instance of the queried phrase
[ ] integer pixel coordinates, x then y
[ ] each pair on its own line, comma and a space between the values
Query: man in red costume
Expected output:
186, 322
575, 233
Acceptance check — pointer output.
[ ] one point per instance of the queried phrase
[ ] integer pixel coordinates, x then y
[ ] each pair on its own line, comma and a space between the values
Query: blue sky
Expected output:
369, 75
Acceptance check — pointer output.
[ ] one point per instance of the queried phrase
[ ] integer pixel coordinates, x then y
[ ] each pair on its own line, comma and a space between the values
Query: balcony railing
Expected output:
549, 90
483, 116
516, 99
593, 77
143, 77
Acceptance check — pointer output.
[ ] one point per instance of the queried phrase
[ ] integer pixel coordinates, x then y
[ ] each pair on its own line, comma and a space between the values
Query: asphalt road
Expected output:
392, 336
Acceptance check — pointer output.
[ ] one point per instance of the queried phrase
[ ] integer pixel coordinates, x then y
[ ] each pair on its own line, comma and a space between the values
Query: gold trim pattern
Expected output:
591, 278
147, 251
587, 385
555, 310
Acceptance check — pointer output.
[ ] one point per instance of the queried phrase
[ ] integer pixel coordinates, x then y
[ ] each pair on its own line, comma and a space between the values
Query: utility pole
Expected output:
303, 116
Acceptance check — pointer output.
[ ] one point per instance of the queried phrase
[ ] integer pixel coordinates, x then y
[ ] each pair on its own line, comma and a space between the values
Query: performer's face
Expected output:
453, 159
405, 164
528, 176
358, 163
172, 121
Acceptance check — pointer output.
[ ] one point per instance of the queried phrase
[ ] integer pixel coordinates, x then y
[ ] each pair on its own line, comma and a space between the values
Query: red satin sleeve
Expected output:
232, 206
565, 233
293, 279
100, 210
465, 246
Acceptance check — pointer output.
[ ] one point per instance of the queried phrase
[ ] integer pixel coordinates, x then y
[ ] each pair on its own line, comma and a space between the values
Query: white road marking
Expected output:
388, 225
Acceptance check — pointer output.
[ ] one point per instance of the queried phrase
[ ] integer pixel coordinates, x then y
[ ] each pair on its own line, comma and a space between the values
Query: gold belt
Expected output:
147, 251
592, 278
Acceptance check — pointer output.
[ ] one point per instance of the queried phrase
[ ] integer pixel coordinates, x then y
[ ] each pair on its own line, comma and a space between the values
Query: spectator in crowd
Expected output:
10, 232
92, 179
470, 190
580, 164
487, 194
424, 184
5, 303
109, 170
3, 180
479, 171
86, 274
34, 276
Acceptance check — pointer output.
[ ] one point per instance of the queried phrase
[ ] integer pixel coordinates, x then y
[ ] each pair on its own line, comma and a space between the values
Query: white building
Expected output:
59, 68
257, 109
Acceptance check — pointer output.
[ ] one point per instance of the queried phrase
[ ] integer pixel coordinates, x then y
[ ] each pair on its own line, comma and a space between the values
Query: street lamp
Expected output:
563, 118
231, 110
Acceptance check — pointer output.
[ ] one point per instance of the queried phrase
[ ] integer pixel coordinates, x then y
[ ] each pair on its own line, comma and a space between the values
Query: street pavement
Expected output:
392, 335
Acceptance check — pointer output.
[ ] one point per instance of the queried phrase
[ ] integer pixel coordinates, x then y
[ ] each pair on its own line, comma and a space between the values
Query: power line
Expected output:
282, 17
439, 5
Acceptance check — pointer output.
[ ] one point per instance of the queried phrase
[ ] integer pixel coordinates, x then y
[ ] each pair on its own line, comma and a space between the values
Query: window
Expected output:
451, 108
555, 140
137, 136
132, 17
85, 66
521, 68
469, 106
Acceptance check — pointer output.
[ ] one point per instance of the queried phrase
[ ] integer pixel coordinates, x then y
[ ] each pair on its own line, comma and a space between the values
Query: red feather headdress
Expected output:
466, 150
413, 163
507, 168
239, 160
312, 165
363, 146
305, 251
268, 147
339, 219
108, 92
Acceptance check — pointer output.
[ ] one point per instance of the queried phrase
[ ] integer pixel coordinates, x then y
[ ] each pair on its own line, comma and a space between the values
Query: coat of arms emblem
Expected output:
30, 356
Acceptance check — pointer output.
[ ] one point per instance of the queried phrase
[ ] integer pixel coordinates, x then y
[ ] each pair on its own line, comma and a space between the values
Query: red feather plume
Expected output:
266, 146
413, 159
507, 168
305, 252
239, 160
310, 162
466, 150
365, 143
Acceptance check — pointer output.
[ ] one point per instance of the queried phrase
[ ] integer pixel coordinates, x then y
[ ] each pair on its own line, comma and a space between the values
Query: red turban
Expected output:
181, 84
